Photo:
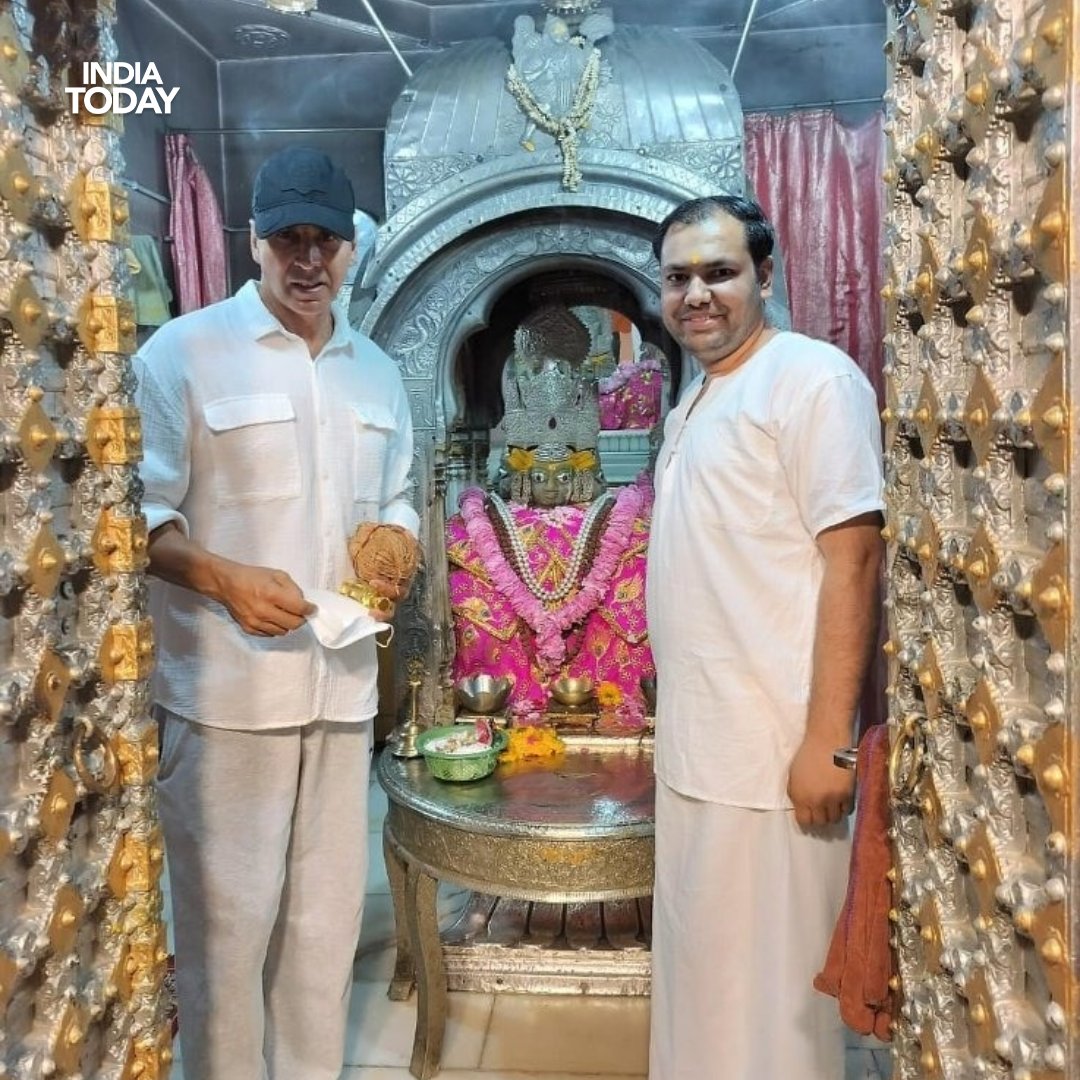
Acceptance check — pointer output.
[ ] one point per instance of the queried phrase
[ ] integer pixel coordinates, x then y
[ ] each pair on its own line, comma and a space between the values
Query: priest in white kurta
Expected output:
762, 602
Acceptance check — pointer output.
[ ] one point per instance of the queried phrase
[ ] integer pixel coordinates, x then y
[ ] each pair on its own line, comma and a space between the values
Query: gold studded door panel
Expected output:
82, 947
981, 368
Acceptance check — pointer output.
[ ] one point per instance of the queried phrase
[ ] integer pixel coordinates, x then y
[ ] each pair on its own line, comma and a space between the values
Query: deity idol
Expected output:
547, 579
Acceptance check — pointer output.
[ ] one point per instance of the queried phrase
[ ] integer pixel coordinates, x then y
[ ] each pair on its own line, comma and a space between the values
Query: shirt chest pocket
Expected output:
373, 430
255, 447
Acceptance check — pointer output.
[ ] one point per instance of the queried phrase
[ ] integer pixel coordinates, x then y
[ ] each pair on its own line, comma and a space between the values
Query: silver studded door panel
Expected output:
82, 948
981, 302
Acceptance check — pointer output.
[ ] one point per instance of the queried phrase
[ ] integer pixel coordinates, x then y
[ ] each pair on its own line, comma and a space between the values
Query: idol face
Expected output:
302, 269
550, 484
712, 297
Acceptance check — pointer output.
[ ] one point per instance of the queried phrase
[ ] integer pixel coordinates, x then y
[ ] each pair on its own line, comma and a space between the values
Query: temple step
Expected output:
498, 945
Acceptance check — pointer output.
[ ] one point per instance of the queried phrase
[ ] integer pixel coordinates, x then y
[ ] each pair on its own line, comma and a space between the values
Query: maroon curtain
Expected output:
819, 182
195, 223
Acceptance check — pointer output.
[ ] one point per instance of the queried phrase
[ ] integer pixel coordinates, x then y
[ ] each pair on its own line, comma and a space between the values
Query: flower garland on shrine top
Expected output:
564, 129
549, 625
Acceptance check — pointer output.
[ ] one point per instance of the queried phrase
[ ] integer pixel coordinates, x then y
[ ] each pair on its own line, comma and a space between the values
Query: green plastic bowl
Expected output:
459, 767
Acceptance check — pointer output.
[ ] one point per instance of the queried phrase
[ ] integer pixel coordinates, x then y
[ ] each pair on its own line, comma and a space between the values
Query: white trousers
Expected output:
266, 838
743, 910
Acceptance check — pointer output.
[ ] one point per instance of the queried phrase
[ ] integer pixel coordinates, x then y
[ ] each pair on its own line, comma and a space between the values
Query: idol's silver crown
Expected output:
553, 406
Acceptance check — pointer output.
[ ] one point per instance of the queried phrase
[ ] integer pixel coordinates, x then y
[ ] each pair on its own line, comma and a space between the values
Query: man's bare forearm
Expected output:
847, 623
179, 560
261, 599
847, 620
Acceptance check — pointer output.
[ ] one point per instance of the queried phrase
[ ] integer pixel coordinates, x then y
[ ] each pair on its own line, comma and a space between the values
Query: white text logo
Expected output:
108, 89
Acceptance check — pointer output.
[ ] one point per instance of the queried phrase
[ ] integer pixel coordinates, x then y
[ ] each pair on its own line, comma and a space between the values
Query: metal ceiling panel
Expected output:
240, 29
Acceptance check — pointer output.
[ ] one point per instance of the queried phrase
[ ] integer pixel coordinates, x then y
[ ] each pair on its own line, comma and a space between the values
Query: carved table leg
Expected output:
404, 979
421, 893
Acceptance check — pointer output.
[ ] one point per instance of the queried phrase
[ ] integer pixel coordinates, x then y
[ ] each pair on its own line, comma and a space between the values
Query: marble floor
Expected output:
502, 1036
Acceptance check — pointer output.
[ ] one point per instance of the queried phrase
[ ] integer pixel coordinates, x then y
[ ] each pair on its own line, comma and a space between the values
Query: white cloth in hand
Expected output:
339, 620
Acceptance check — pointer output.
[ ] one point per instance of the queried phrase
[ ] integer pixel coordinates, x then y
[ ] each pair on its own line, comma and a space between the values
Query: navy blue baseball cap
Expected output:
301, 186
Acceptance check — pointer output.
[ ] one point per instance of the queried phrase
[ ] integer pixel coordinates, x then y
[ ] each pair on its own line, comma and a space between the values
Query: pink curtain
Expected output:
195, 223
819, 182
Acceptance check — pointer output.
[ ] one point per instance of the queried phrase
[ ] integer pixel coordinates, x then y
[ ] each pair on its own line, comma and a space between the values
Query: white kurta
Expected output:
784, 447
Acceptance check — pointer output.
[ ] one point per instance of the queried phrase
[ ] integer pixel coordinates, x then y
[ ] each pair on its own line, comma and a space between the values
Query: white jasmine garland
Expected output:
564, 129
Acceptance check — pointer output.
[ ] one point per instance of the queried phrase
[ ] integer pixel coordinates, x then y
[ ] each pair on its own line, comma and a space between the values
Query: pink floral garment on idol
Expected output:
498, 635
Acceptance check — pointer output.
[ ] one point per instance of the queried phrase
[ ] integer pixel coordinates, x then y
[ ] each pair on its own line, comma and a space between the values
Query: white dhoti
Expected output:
744, 907
266, 837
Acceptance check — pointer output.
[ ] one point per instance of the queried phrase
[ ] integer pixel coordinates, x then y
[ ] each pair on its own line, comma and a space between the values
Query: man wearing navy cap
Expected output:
271, 429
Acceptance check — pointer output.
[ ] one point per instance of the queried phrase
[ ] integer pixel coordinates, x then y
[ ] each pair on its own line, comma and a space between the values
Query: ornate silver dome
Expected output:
662, 98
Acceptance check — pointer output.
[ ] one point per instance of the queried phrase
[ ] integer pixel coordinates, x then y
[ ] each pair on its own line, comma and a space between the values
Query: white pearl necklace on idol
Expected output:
520, 554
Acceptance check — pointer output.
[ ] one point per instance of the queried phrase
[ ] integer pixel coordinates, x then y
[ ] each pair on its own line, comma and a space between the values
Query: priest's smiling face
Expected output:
712, 297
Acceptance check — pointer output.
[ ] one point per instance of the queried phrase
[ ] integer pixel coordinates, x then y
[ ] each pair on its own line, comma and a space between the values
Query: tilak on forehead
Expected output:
695, 258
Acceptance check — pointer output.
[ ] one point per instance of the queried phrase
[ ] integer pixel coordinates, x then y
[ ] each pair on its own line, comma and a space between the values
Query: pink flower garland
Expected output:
550, 626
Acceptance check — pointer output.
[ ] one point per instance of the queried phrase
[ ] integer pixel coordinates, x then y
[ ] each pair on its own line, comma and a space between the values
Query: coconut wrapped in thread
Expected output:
385, 558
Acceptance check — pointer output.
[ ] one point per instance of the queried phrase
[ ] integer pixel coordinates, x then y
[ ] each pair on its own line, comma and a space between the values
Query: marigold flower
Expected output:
531, 742
609, 695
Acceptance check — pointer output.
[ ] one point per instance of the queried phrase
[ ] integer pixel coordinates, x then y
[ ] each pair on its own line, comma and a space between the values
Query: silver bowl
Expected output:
572, 691
484, 694
648, 689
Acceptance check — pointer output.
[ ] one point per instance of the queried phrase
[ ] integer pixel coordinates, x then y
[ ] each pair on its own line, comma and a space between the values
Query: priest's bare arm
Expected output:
846, 630
262, 601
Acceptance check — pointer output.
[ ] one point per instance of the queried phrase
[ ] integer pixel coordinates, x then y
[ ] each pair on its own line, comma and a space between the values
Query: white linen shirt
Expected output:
784, 447
268, 457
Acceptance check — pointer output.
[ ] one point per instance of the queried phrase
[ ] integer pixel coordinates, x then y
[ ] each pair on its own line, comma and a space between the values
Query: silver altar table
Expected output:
565, 830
